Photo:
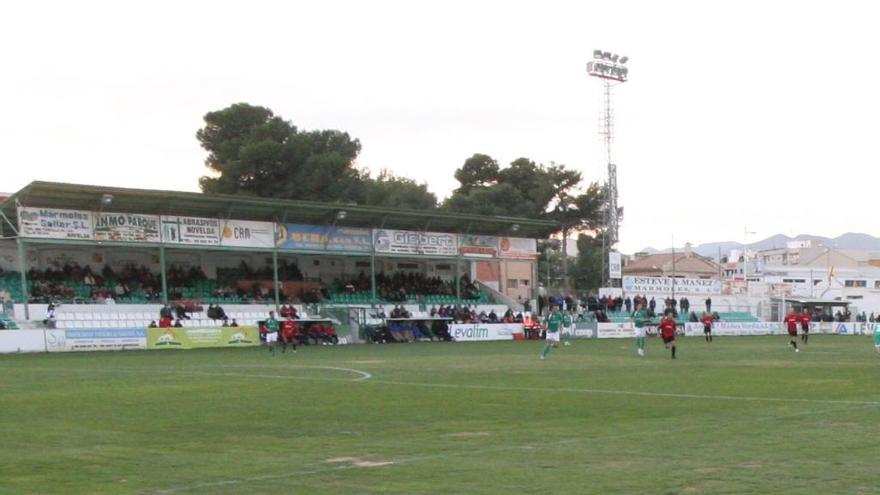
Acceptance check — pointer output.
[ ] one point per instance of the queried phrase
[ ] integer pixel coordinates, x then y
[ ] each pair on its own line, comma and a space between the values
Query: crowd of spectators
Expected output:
74, 282
402, 286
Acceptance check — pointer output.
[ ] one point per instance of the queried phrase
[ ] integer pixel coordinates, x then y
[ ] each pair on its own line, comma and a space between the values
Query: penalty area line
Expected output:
636, 393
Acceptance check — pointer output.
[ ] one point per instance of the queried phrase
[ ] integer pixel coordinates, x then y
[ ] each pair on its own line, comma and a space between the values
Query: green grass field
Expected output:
744, 415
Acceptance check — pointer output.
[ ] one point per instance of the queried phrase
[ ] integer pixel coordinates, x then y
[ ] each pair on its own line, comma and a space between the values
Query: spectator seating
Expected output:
102, 316
737, 316
366, 297
8, 323
11, 282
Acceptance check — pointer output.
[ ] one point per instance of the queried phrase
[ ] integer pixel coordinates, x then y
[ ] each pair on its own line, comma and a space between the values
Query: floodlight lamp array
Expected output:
608, 65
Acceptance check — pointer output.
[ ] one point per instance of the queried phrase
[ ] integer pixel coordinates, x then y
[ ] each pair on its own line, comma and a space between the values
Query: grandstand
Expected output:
88, 247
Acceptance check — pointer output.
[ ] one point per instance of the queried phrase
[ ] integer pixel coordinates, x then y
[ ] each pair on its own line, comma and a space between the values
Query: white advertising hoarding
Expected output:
409, 242
615, 330
737, 328
190, 230
127, 227
52, 223
668, 285
13, 341
477, 332
245, 233
615, 269
104, 339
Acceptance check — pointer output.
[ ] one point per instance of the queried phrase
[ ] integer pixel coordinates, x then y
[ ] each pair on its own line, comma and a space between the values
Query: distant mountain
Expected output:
850, 240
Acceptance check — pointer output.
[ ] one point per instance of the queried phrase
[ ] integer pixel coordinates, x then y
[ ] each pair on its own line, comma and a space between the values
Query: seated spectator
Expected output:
286, 311
180, 310
234, 323
225, 322
493, 318
221, 314
165, 312
328, 334
440, 328
152, 324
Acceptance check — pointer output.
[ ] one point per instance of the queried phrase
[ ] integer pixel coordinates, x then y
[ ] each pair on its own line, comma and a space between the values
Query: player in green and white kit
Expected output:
877, 337
567, 322
640, 320
553, 323
272, 332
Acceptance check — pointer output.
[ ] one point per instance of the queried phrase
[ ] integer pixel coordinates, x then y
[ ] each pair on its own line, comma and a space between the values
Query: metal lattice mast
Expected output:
611, 68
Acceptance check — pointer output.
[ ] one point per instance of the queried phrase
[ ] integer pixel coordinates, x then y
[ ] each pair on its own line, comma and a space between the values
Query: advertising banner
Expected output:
323, 238
478, 332
409, 242
615, 269
615, 330
127, 227
190, 230
53, 223
664, 285
584, 329
478, 246
245, 233
737, 328
194, 338
519, 248
99, 339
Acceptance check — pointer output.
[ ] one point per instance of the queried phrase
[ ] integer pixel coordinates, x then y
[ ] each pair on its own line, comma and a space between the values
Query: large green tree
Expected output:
527, 189
252, 151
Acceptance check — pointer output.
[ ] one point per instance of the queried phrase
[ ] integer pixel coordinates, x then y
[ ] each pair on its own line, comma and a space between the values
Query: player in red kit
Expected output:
707, 326
667, 332
791, 322
289, 332
805, 325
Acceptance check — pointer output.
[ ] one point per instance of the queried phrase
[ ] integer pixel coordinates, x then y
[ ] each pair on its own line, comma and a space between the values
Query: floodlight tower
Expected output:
612, 70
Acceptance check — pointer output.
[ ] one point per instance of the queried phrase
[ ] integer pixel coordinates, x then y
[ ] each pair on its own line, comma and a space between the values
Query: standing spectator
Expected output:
628, 303
709, 304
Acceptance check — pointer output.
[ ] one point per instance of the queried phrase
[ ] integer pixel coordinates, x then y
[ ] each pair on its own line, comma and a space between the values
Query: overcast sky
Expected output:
758, 114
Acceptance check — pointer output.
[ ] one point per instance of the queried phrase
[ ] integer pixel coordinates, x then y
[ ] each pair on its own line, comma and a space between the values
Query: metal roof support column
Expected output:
457, 278
275, 279
22, 267
373, 275
162, 274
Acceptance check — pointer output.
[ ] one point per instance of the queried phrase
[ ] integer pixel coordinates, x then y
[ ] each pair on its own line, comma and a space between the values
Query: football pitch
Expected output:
742, 415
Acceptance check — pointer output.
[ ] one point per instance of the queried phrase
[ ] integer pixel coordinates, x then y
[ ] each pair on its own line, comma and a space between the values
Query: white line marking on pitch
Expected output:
628, 392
